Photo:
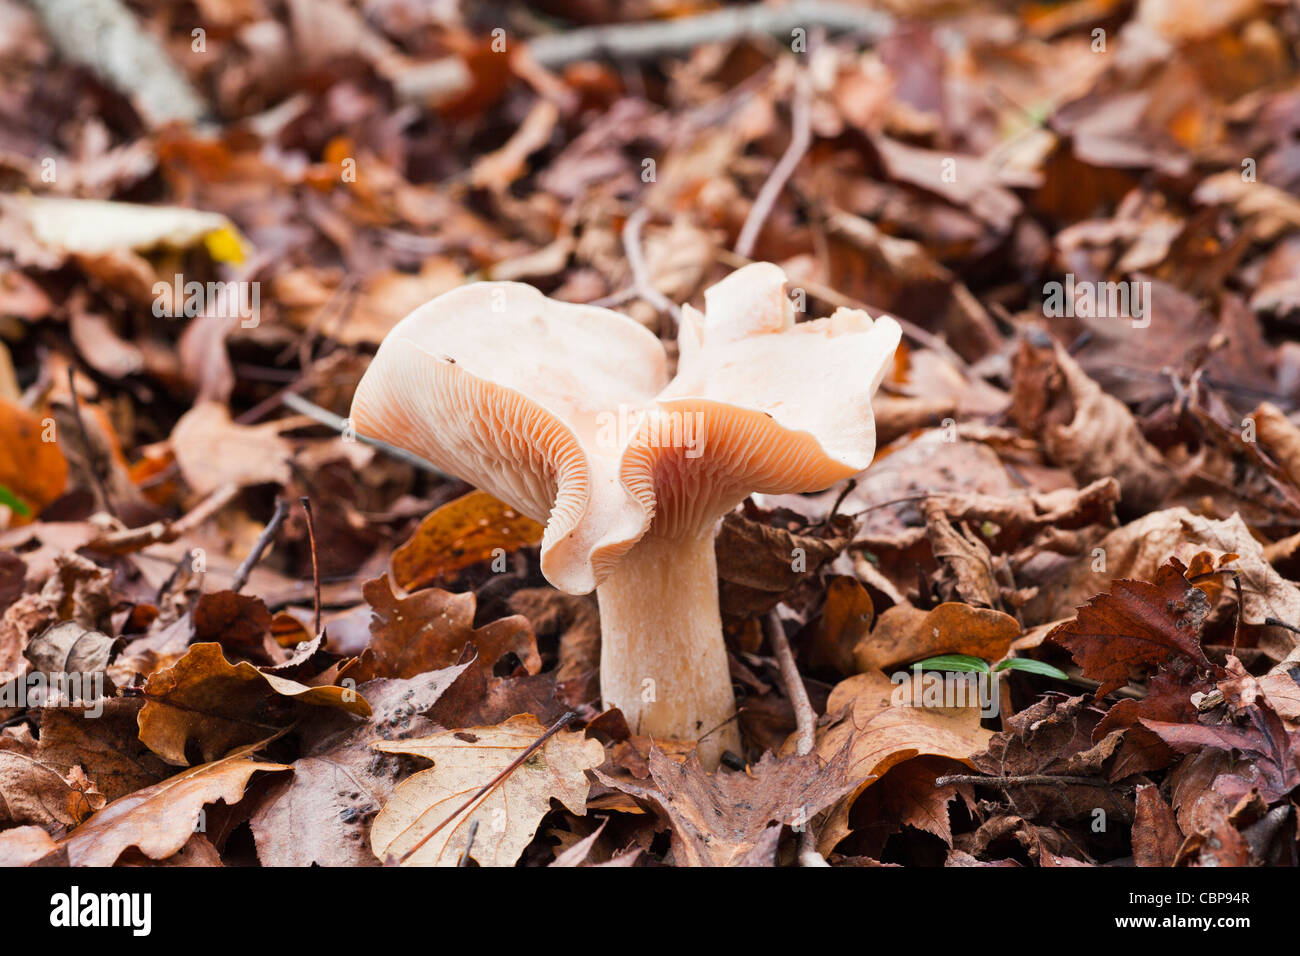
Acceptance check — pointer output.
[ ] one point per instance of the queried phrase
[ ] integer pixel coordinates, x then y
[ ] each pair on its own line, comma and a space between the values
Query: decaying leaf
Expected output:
320, 815
1137, 626
430, 629
160, 819
206, 699
470, 529
428, 804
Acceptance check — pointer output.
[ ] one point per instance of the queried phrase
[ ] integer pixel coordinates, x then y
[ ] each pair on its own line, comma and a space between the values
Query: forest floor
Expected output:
1085, 497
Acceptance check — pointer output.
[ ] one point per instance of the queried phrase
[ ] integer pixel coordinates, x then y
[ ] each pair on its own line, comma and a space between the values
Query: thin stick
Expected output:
644, 41
494, 782
469, 844
93, 460
315, 565
263, 541
1241, 611
1274, 622
1025, 780
165, 589
640, 271
848, 490
805, 719
800, 140
330, 420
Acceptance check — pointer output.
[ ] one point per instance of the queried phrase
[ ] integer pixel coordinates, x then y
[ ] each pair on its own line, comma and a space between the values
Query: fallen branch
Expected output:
93, 459
163, 532
105, 37
315, 564
1024, 780
645, 41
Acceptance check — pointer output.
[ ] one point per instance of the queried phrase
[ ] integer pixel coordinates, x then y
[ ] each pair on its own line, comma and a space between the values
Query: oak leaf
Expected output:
465, 761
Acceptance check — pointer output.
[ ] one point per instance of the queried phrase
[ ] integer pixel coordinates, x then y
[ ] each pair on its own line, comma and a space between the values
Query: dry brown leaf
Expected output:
1280, 436
735, 819
205, 698
1156, 837
1082, 428
320, 816
1138, 549
36, 791
466, 531
428, 631
23, 846
213, 451
162, 818
881, 735
466, 760
905, 633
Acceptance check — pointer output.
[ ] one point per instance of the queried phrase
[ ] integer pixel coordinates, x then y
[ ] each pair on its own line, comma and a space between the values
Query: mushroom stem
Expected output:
663, 662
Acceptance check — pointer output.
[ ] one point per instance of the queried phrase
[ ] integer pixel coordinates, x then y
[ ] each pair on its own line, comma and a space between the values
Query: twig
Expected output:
643, 41
93, 461
1024, 780
839, 500
165, 588
315, 565
1274, 622
494, 782
163, 532
1241, 612
263, 541
805, 719
640, 272
804, 716
800, 140
469, 844
330, 420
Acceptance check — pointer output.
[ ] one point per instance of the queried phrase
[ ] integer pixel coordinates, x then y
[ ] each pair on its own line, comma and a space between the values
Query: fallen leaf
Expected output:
1156, 837
206, 699
723, 819
429, 630
320, 816
213, 451
466, 531
31, 465
466, 760
161, 819
1135, 627
905, 634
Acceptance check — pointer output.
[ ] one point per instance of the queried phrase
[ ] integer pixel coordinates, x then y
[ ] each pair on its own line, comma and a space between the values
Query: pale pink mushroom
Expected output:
565, 413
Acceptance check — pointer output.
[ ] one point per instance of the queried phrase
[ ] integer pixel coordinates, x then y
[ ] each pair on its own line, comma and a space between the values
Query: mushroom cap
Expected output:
509, 390
773, 406
515, 393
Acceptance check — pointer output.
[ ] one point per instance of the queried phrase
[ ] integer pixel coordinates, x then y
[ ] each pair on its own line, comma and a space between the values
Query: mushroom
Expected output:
565, 412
